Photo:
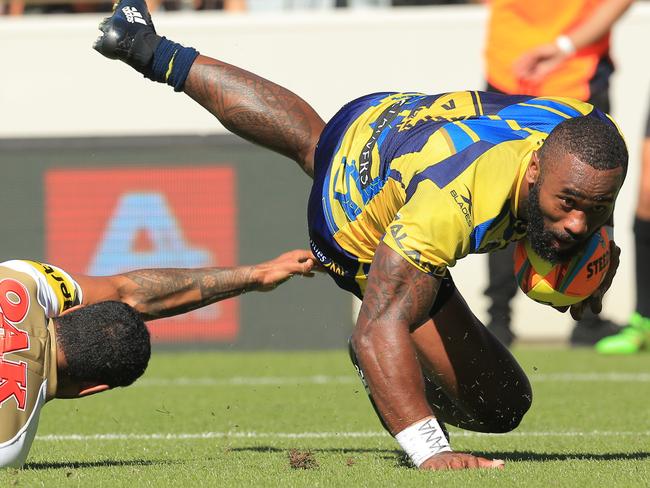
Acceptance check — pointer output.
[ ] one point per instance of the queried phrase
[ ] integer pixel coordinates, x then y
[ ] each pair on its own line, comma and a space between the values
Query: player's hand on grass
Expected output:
270, 274
459, 460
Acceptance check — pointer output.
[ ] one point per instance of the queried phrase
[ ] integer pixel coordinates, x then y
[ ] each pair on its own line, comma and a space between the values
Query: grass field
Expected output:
226, 419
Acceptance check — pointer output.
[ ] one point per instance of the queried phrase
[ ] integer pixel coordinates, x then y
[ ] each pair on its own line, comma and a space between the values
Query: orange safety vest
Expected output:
515, 26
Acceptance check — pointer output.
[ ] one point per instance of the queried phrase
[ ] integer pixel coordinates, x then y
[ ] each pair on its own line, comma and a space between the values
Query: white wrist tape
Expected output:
422, 440
565, 44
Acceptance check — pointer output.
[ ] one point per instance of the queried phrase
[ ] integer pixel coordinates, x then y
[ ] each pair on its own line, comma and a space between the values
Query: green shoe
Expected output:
632, 339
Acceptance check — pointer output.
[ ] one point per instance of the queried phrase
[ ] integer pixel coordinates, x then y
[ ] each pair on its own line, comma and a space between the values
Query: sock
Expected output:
642, 268
172, 63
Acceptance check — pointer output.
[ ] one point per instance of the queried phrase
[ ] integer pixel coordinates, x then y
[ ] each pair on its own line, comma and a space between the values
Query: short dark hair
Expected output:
592, 140
105, 342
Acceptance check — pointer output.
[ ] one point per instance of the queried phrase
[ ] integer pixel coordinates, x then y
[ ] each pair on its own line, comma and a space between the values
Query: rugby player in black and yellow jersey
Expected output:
67, 337
404, 185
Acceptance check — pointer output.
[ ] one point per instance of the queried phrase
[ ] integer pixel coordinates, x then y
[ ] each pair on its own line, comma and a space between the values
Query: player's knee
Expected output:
506, 421
499, 421
505, 410
507, 415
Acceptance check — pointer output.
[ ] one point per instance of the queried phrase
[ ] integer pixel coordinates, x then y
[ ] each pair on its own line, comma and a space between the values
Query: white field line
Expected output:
350, 379
310, 435
249, 381
588, 377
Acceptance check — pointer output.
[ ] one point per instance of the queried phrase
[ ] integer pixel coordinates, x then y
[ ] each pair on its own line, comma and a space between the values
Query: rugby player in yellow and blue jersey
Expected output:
433, 177
405, 184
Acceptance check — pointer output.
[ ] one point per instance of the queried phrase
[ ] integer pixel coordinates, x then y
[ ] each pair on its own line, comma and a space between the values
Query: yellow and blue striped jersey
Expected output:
435, 177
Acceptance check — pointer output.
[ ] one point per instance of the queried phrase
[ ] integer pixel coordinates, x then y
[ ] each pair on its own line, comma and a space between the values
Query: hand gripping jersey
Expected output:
31, 293
435, 177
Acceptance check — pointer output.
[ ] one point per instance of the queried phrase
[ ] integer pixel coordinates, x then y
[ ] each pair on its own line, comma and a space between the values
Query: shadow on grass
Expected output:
386, 452
513, 456
96, 464
552, 456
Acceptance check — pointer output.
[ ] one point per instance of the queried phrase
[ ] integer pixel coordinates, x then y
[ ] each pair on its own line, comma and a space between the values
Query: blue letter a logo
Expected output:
148, 215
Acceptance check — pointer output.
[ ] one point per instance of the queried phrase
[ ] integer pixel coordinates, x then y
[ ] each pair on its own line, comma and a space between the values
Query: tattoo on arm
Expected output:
395, 279
158, 293
398, 297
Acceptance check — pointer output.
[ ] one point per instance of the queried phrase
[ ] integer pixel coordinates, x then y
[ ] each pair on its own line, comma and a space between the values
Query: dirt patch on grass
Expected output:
302, 459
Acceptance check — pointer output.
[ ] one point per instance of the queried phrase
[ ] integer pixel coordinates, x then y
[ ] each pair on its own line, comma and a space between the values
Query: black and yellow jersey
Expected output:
435, 177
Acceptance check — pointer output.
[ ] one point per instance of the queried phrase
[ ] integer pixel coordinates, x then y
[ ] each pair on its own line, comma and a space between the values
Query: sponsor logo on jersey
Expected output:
464, 204
14, 306
327, 262
398, 233
382, 123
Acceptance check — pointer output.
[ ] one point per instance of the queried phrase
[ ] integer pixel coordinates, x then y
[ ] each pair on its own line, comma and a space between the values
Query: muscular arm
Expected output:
397, 298
157, 293
256, 109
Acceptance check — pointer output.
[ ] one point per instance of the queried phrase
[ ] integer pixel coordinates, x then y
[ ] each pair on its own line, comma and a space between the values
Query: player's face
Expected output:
567, 204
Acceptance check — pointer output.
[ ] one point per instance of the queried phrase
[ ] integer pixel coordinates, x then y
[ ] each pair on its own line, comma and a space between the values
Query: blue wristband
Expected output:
171, 63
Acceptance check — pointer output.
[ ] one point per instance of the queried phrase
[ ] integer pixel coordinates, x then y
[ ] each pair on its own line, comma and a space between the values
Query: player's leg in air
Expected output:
246, 104
472, 381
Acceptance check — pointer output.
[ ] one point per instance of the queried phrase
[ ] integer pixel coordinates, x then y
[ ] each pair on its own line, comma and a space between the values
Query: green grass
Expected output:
582, 430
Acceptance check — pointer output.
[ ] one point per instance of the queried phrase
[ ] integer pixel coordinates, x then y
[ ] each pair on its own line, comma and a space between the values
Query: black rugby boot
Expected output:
129, 35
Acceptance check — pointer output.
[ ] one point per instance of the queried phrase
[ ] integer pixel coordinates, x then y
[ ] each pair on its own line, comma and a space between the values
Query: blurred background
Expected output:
104, 171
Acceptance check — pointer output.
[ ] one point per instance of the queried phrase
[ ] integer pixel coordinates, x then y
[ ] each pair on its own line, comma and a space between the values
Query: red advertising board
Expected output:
107, 221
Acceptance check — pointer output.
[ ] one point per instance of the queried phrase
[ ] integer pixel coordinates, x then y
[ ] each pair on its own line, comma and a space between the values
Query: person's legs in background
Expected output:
501, 289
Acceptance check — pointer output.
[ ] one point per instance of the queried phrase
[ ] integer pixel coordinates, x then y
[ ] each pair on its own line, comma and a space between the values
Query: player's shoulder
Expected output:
571, 107
512, 105
567, 108
39, 272
56, 290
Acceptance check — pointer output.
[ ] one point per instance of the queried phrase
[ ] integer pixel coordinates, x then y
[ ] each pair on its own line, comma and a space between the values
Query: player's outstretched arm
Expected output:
157, 293
398, 297
248, 105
